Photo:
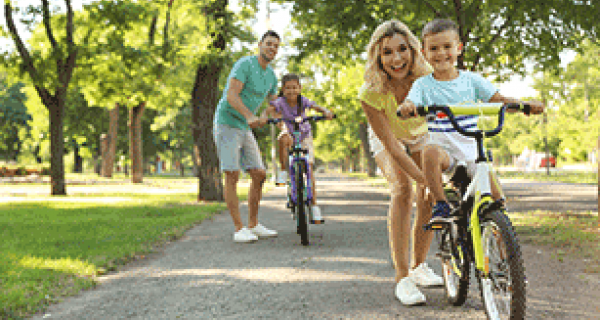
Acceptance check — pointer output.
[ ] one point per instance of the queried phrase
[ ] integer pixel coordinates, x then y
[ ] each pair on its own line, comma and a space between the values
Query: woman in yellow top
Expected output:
394, 62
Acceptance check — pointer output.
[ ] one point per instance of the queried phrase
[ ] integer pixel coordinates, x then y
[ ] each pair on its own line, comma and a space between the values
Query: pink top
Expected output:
290, 113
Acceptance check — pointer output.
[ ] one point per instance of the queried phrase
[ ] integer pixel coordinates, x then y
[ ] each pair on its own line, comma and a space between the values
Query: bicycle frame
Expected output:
296, 157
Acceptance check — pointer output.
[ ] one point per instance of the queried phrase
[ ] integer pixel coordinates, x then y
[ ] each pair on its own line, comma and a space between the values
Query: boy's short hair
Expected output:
437, 26
270, 33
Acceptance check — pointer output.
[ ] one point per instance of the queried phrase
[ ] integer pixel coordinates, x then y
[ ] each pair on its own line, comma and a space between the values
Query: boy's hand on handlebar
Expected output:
407, 110
537, 107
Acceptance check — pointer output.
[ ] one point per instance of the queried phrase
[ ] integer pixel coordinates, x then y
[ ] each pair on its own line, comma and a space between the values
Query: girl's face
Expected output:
291, 89
396, 56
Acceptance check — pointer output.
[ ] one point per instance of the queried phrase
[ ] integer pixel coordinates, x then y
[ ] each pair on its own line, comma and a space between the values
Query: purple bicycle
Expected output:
300, 193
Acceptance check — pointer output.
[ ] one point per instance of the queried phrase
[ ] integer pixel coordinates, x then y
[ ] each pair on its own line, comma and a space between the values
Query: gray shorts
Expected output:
236, 148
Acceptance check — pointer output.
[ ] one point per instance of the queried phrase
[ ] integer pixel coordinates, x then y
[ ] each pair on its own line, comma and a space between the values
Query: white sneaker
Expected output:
317, 218
260, 231
282, 178
424, 276
244, 235
407, 292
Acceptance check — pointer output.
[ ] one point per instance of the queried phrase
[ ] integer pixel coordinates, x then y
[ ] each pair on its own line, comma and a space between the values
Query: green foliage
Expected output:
13, 118
499, 35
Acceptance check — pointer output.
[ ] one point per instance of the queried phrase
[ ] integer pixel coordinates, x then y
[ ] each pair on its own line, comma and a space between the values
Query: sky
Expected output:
280, 21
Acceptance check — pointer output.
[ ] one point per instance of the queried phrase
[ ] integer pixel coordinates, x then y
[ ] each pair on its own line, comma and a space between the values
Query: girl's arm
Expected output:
324, 111
381, 127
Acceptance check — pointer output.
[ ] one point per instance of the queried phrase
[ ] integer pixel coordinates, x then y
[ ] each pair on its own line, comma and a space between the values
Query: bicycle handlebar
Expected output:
473, 109
310, 118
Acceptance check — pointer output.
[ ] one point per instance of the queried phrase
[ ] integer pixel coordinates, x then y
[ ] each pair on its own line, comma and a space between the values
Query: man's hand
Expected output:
255, 122
536, 107
407, 110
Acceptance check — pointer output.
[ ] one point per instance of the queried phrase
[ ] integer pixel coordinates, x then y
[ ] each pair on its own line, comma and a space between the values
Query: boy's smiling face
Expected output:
442, 50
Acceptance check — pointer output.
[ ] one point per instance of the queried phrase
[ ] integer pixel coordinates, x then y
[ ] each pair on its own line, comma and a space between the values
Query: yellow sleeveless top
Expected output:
402, 129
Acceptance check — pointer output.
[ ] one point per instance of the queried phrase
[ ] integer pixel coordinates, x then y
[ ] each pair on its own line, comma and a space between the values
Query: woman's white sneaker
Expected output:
244, 235
424, 276
408, 293
260, 231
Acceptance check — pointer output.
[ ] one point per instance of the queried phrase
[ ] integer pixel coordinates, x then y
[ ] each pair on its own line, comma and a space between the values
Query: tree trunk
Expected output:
57, 148
108, 161
364, 138
135, 143
598, 164
205, 96
206, 86
77, 160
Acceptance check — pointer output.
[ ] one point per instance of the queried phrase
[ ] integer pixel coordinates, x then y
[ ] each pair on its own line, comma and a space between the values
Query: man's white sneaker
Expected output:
260, 231
424, 276
244, 235
317, 218
282, 178
408, 293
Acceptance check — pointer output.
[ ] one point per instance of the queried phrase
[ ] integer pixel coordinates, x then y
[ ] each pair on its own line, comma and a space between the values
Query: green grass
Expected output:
559, 176
566, 233
53, 249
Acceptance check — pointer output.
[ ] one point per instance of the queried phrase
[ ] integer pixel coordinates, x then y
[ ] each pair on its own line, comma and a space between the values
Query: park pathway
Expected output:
344, 274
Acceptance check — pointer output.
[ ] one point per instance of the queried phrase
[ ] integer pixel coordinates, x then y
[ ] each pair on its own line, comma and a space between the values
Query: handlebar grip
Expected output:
524, 107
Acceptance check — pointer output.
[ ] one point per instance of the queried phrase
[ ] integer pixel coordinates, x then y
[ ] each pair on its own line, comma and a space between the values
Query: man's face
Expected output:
268, 48
442, 50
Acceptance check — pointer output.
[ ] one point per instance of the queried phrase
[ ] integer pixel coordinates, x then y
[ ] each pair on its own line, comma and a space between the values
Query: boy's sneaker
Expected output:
424, 276
260, 231
244, 235
408, 293
282, 178
317, 218
441, 213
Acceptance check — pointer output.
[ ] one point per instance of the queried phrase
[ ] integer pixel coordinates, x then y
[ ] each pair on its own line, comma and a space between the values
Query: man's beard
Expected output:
266, 58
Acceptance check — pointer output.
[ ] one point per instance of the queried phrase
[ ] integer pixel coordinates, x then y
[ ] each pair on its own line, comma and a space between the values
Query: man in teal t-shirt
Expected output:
251, 81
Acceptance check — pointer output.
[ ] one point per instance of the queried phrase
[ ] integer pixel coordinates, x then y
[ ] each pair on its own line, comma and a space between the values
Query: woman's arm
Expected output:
381, 127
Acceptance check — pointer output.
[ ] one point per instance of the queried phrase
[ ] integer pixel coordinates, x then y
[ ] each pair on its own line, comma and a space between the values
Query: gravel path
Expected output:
344, 274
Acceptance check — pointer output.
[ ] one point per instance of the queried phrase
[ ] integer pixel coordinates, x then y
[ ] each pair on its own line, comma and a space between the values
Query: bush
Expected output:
45, 171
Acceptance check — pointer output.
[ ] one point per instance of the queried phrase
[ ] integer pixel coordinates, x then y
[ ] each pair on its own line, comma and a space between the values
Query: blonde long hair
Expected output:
375, 77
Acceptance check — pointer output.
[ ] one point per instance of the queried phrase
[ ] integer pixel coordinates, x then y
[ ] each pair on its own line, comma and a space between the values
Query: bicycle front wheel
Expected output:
300, 205
503, 290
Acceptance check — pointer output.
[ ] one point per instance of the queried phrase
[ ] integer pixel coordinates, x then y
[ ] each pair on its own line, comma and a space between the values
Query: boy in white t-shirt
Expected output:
448, 85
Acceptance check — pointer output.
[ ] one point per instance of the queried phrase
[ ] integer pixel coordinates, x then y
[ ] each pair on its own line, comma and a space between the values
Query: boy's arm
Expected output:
537, 107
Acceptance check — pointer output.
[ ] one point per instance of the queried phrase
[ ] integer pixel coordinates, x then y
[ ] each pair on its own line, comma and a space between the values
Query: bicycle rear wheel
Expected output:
456, 267
503, 291
300, 205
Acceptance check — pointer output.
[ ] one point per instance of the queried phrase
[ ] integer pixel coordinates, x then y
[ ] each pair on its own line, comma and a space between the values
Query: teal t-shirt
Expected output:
258, 83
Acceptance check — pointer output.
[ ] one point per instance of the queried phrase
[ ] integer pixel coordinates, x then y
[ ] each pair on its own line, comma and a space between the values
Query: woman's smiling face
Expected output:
396, 56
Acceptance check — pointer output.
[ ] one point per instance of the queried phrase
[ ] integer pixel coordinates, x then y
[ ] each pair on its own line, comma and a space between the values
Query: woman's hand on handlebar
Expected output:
407, 110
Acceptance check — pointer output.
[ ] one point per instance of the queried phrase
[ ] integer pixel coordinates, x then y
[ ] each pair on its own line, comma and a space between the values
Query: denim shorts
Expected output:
236, 148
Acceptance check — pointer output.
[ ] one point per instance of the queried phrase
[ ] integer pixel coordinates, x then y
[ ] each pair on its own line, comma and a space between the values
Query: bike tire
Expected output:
497, 228
456, 269
300, 206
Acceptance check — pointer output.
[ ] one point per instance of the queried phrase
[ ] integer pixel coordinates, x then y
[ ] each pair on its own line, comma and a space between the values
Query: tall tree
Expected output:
205, 96
52, 88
